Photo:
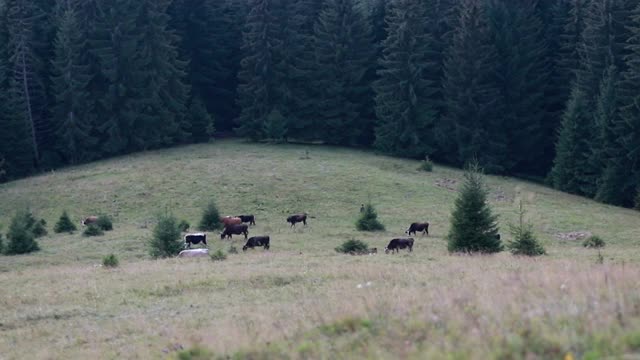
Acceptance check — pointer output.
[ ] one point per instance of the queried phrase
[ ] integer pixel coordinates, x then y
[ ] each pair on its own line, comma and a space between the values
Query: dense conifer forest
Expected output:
547, 89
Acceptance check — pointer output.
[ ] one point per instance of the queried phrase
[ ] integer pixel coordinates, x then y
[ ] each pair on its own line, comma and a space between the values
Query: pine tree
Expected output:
160, 120
210, 218
120, 65
64, 224
519, 39
473, 103
570, 169
368, 220
70, 80
405, 117
524, 240
344, 51
628, 131
20, 235
26, 93
473, 225
275, 126
257, 92
202, 123
166, 238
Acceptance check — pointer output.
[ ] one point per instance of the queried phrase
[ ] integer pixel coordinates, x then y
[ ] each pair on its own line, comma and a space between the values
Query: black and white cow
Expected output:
256, 241
195, 238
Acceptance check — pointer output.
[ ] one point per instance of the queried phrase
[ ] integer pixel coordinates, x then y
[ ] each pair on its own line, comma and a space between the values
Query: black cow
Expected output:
293, 219
400, 243
235, 229
256, 241
420, 227
248, 219
195, 239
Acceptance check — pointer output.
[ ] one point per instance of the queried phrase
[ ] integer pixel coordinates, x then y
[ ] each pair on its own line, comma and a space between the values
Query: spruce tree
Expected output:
166, 238
70, 78
473, 225
570, 169
628, 131
64, 224
275, 126
473, 103
258, 88
20, 235
524, 240
405, 116
210, 218
368, 220
607, 153
202, 123
344, 53
519, 38
161, 116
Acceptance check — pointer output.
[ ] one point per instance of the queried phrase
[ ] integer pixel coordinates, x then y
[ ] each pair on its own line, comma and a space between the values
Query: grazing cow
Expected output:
420, 227
89, 220
230, 220
194, 253
296, 218
235, 229
256, 241
400, 243
247, 219
195, 238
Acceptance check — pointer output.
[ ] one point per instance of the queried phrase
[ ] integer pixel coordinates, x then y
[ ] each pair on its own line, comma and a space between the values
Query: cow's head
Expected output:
222, 235
386, 250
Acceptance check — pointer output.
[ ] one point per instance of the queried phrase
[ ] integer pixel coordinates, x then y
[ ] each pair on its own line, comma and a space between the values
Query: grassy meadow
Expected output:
301, 299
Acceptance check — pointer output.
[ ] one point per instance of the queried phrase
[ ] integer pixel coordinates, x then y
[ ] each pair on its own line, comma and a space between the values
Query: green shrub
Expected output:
104, 222
636, 201
1, 244
64, 224
426, 165
20, 235
210, 218
166, 241
593, 242
92, 230
195, 353
474, 227
368, 220
524, 240
218, 256
353, 246
184, 226
110, 261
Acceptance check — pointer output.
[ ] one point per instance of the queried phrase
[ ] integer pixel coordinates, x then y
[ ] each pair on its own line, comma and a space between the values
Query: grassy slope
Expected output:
57, 300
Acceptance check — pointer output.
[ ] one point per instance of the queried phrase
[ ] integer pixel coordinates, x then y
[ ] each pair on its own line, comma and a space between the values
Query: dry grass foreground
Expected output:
301, 299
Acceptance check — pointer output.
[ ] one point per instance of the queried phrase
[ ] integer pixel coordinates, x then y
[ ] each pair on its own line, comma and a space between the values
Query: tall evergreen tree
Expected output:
519, 38
570, 169
405, 117
26, 89
344, 51
161, 117
607, 152
474, 227
474, 105
628, 133
70, 80
258, 88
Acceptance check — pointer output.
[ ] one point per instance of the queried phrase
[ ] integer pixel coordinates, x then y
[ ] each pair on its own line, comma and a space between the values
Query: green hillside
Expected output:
301, 296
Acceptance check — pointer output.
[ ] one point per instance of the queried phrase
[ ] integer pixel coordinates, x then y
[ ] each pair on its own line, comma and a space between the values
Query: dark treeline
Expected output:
538, 88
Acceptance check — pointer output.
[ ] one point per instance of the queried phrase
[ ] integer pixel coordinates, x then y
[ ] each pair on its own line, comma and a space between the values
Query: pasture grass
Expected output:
301, 299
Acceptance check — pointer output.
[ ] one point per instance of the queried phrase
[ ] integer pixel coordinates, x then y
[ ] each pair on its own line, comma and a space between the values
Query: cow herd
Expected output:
239, 225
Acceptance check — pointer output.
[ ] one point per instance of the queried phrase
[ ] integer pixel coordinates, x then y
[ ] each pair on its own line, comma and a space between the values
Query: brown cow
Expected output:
89, 220
230, 220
